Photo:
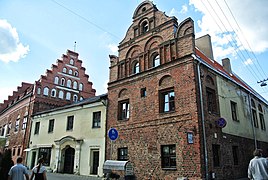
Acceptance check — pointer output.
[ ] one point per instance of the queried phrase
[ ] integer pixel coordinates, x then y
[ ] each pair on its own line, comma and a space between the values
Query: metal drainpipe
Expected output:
252, 124
202, 116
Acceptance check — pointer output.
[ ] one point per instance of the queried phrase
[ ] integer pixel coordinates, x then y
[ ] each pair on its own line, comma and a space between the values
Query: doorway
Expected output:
69, 161
33, 159
95, 162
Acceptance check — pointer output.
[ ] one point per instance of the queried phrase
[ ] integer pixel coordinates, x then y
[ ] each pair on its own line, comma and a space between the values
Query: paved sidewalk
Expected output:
59, 176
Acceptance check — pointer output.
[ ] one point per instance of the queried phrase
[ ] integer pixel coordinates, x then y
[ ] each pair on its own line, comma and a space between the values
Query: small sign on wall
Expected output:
190, 137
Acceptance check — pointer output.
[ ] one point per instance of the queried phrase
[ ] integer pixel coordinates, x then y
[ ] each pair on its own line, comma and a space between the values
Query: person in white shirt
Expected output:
258, 166
18, 171
39, 171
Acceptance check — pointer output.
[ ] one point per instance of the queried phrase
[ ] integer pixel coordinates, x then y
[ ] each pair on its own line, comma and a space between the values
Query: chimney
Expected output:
226, 65
204, 44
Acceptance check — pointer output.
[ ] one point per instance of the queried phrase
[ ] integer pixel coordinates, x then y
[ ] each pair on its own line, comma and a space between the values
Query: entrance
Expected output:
69, 161
33, 159
95, 162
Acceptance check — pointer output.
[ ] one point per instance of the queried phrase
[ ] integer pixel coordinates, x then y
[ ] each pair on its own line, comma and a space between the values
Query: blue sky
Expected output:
34, 34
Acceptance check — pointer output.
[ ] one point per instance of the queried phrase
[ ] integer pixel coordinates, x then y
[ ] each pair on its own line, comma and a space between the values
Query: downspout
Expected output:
202, 116
252, 124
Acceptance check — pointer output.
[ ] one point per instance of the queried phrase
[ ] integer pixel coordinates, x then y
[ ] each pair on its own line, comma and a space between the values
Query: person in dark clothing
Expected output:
39, 171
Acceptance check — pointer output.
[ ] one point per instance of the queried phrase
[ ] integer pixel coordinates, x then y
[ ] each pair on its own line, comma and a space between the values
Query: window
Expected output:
39, 90
68, 96
51, 125
62, 81
123, 154
24, 123
13, 151
254, 114
53, 93
18, 152
211, 100
37, 126
80, 87
70, 123
64, 70
168, 156
216, 155
76, 73
234, 110
72, 61
61, 94
9, 128
136, 68
96, 119
45, 92
167, 101
145, 27
69, 83
56, 80
235, 154
261, 117
70, 72
46, 154
17, 124
75, 98
156, 61
143, 92
123, 110
75, 85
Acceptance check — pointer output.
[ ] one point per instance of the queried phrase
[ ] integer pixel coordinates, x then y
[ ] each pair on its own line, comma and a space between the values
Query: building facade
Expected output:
65, 83
71, 138
168, 101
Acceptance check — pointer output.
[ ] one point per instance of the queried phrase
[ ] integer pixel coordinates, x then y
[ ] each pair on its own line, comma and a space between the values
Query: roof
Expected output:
214, 65
79, 103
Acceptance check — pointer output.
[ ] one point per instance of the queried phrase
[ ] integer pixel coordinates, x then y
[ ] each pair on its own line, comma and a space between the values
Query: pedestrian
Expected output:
18, 171
258, 166
39, 171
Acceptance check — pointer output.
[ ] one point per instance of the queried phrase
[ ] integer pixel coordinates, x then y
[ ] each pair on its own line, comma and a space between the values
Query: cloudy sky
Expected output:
34, 34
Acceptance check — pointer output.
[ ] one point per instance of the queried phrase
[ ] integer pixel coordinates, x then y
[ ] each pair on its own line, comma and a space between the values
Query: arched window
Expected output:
53, 93
45, 92
156, 60
76, 73
62, 81
56, 80
75, 85
39, 90
64, 70
136, 68
72, 61
68, 96
75, 98
80, 87
70, 71
61, 94
69, 83
144, 27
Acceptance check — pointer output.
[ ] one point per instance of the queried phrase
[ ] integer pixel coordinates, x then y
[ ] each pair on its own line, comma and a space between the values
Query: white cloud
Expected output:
248, 62
113, 48
173, 12
184, 9
252, 22
11, 49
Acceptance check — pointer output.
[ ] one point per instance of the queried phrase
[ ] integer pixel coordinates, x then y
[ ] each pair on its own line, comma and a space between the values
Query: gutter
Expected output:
202, 117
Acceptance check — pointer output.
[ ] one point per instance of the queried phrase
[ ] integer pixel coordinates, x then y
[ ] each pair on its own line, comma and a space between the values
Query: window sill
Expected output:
123, 119
169, 169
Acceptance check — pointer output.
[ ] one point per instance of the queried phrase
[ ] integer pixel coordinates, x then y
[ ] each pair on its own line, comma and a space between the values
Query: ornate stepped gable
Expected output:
64, 83
22, 91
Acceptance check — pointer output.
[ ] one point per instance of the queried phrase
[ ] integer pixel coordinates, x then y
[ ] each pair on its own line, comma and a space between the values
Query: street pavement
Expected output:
59, 176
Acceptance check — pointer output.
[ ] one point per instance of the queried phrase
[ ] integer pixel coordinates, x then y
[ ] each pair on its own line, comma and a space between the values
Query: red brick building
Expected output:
64, 83
164, 102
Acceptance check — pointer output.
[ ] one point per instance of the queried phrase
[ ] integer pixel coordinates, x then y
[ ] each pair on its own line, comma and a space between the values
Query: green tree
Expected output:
6, 164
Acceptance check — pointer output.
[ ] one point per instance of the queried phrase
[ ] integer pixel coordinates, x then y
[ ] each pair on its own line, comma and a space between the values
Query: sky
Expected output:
34, 34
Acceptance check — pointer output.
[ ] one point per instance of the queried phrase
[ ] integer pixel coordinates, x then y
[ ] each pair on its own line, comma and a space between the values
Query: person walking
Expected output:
18, 171
258, 166
39, 171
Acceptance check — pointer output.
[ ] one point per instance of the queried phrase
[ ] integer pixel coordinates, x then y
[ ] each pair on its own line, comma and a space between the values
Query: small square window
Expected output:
143, 92
123, 154
123, 113
168, 156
